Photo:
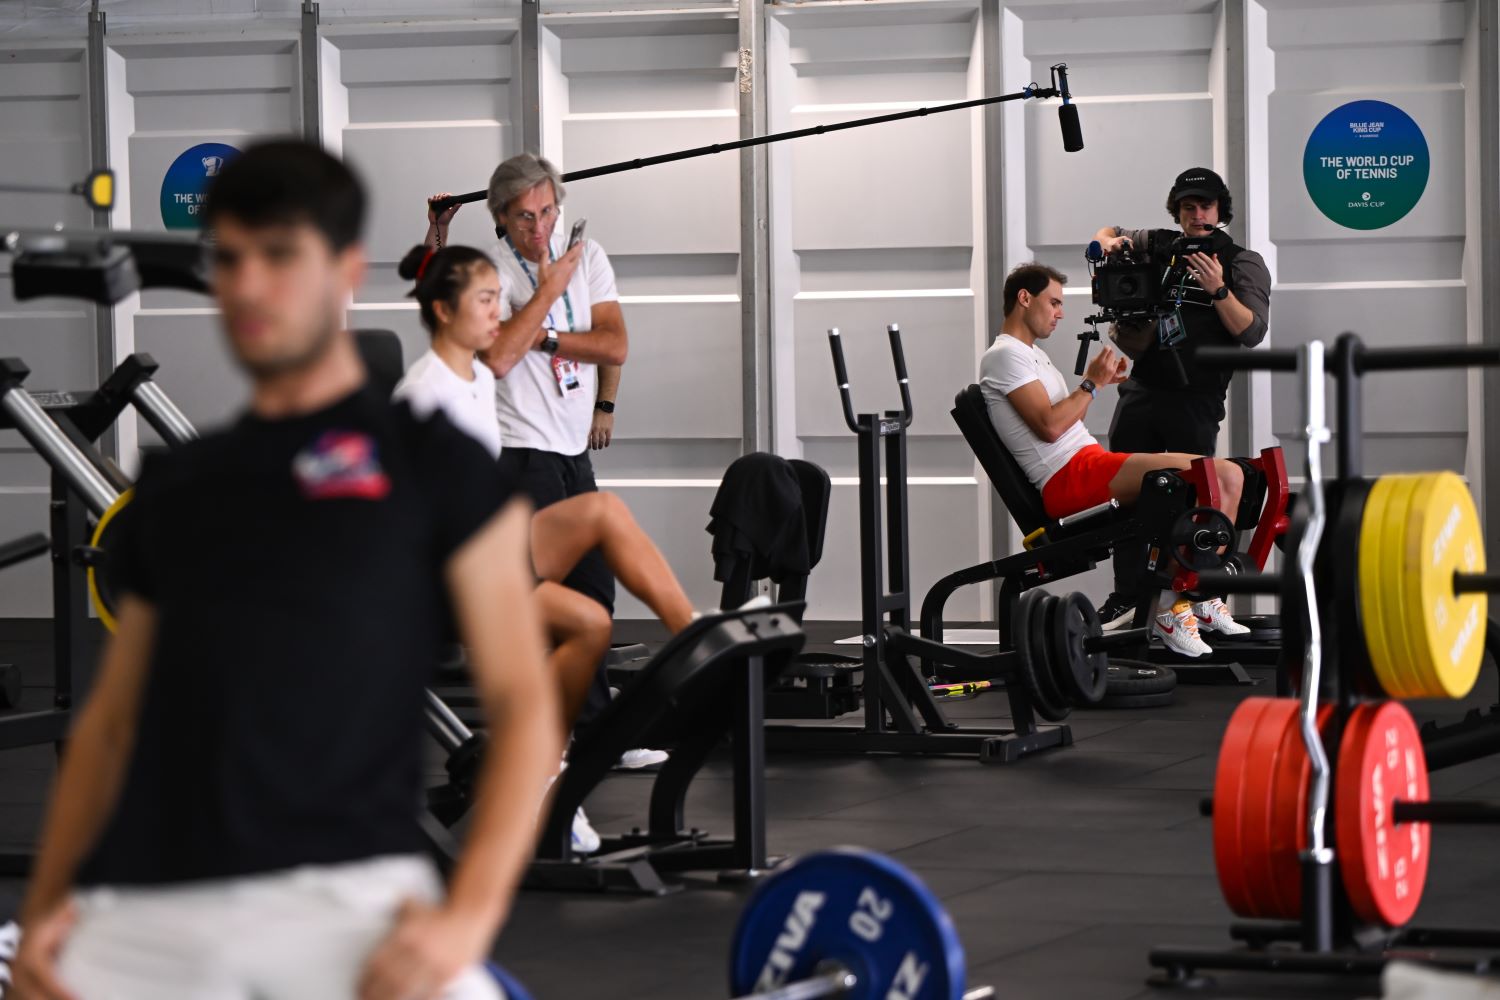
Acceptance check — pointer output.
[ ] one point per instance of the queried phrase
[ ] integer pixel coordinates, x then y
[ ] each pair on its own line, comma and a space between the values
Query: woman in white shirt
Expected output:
458, 291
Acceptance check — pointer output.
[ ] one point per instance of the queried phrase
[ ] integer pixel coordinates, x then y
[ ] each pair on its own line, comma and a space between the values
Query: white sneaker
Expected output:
1179, 632
1215, 617
585, 837
634, 760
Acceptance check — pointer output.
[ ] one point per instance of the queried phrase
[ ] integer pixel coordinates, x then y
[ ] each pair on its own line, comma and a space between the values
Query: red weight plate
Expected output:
1292, 782
1228, 792
1384, 866
1255, 805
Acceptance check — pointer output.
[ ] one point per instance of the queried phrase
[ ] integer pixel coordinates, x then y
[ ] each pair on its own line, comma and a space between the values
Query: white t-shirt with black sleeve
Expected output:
533, 409
1004, 368
429, 385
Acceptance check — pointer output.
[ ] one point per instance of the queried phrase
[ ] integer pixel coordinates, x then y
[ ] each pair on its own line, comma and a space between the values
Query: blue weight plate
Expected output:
858, 909
513, 989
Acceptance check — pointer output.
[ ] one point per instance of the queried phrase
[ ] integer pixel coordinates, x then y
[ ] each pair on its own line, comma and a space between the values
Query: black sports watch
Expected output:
605, 406
1088, 386
1221, 294
549, 343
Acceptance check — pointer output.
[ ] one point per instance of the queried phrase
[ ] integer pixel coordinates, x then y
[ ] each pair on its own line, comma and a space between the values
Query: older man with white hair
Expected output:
556, 360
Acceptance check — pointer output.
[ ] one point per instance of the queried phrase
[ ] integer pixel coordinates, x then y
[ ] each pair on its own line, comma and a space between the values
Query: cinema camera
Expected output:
1139, 290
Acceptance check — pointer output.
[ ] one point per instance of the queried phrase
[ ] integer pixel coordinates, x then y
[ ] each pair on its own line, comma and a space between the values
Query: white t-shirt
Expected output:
1004, 368
429, 384
533, 411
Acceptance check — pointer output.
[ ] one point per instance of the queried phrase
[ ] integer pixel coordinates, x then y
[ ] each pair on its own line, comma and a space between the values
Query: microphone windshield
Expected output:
1095, 252
1072, 132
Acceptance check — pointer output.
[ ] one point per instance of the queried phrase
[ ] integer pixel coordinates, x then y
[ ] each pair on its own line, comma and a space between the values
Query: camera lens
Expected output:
1128, 286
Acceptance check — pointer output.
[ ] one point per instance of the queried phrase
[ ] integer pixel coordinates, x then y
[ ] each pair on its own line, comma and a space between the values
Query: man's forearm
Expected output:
500, 623
502, 835
518, 334
604, 345
1234, 314
1069, 410
609, 383
83, 798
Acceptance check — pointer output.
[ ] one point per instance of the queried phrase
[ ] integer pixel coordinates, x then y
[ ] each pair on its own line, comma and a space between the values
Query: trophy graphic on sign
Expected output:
211, 165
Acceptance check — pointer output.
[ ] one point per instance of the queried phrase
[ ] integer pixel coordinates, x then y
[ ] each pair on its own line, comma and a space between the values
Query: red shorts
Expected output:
1083, 482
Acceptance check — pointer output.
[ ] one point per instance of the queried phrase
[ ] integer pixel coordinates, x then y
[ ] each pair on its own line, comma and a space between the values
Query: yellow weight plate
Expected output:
105, 612
1445, 630
1393, 596
1371, 577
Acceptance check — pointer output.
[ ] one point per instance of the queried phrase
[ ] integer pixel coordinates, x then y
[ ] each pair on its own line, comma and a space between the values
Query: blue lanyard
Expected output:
567, 302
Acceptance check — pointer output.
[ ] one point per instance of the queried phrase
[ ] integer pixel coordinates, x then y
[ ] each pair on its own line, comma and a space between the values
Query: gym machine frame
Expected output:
1329, 937
62, 427
901, 715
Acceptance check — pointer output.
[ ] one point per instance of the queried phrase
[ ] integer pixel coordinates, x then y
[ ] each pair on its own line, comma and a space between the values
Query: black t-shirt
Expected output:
296, 567
1247, 277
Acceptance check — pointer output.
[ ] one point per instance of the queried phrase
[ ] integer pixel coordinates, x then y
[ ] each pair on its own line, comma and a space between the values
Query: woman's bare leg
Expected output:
562, 532
579, 628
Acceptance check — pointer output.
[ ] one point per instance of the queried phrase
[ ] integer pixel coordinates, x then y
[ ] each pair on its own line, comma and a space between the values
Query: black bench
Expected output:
1056, 548
704, 685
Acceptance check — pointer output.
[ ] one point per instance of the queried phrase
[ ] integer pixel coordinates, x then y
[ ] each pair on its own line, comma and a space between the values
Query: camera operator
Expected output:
1226, 301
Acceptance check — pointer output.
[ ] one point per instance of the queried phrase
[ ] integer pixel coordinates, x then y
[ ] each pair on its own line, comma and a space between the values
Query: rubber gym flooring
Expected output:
1061, 872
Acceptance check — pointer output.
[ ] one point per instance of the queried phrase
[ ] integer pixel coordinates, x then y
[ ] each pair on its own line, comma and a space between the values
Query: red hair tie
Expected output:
422, 267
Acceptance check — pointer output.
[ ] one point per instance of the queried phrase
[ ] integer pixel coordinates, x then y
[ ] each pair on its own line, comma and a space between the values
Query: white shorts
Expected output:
297, 935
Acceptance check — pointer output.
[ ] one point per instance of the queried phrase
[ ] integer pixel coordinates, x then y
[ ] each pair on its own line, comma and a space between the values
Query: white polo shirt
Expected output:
1004, 368
533, 411
429, 384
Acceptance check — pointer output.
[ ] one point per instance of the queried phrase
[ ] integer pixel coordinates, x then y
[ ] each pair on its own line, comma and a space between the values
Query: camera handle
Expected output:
1084, 339
1182, 378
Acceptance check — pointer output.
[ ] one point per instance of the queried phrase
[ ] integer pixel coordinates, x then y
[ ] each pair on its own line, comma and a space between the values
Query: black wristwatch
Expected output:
1221, 294
605, 406
549, 343
1088, 386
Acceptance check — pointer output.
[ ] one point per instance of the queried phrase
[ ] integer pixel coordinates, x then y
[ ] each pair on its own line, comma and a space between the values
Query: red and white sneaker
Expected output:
1178, 629
1213, 616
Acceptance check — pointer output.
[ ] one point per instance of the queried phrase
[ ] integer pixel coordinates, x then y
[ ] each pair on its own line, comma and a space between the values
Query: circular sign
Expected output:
187, 179
1366, 164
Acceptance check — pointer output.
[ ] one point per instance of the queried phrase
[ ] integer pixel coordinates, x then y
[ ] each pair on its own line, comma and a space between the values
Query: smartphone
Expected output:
576, 236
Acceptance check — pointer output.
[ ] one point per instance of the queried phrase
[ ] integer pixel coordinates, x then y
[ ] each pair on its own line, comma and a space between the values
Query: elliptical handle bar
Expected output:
1368, 359
898, 358
836, 345
1281, 359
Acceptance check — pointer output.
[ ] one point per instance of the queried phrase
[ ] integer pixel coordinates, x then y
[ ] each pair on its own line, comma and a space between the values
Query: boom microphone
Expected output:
1067, 113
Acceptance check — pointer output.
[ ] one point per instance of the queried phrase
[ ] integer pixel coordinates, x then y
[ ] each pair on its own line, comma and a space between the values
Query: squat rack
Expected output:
1329, 938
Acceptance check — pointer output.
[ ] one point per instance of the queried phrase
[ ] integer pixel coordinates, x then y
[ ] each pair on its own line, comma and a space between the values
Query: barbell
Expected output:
841, 923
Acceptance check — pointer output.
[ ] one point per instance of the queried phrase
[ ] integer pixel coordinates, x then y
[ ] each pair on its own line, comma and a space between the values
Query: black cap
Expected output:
1198, 182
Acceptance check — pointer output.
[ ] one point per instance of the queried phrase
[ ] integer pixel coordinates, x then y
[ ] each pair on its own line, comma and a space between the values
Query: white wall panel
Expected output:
429, 109
692, 207
43, 140
1395, 286
629, 87
174, 92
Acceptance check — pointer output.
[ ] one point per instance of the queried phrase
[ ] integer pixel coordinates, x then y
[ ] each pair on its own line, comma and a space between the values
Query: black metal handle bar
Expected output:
836, 345
1367, 359
21, 549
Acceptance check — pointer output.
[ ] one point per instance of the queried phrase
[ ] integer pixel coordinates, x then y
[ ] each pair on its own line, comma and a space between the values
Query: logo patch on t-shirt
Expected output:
341, 465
